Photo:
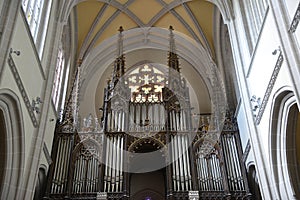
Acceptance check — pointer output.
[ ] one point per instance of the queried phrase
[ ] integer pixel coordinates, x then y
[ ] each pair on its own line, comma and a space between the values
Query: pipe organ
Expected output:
146, 111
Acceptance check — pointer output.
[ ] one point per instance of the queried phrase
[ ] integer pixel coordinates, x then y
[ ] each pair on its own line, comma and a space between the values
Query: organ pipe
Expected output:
173, 165
176, 163
121, 163
150, 116
188, 162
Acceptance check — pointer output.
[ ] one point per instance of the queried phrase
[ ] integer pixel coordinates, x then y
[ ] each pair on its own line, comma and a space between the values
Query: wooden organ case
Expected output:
146, 126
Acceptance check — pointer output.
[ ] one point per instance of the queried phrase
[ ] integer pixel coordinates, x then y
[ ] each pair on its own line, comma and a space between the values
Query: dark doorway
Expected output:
148, 172
148, 186
253, 183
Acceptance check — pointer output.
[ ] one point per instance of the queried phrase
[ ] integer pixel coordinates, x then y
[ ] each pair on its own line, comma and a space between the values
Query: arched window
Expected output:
37, 14
253, 12
146, 83
60, 80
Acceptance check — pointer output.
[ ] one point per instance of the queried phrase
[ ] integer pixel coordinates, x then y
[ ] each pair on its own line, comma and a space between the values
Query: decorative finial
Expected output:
119, 64
121, 29
120, 42
172, 41
173, 58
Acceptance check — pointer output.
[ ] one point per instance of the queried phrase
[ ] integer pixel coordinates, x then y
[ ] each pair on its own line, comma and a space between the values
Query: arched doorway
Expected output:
285, 141
147, 184
293, 147
253, 183
2, 147
12, 145
40, 184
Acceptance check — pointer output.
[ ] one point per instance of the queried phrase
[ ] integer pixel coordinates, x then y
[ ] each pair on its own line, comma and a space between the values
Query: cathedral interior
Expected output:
149, 99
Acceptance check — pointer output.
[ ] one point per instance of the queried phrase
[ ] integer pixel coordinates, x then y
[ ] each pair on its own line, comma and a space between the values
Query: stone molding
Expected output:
23, 92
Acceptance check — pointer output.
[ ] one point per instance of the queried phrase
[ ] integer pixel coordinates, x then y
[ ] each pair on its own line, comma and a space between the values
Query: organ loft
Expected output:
147, 145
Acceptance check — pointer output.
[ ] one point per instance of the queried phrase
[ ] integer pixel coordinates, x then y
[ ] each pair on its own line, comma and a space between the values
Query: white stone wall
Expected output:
28, 79
254, 75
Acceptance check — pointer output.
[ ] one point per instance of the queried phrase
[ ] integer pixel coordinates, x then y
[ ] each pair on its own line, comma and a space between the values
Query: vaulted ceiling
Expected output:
98, 22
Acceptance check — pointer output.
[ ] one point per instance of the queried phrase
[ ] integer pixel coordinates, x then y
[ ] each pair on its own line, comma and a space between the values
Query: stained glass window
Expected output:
37, 14
146, 84
60, 81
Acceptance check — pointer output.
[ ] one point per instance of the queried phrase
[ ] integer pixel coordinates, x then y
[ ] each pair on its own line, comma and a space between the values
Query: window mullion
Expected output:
245, 20
265, 4
64, 92
249, 22
256, 17
260, 11
44, 19
30, 10
39, 7
58, 87
25, 5
35, 19
60, 83
254, 22
26, 10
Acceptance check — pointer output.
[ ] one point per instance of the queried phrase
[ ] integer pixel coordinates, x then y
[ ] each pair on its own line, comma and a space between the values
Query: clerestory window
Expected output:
37, 13
60, 81
253, 12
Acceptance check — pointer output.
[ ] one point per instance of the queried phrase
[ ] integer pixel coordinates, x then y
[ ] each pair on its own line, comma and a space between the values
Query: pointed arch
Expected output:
88, 141
159, 144
283, 125
225, 7
13, 138
186, 48
85, 167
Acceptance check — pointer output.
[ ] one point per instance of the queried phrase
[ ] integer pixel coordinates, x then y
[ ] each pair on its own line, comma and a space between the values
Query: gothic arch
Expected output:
195, 54
146, 155
253, 182
204, 142
14, 142
94, 65
155, 186
159, 144
148, 193
91, 156
84, 142
283, 144
225, 7
41, 183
